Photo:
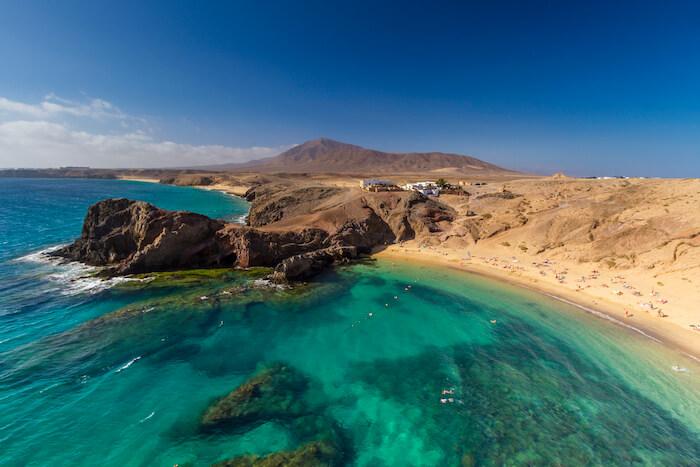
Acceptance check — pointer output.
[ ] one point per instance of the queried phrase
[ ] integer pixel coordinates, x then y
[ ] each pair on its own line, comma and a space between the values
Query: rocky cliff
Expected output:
299, 232
134, 236
350, 216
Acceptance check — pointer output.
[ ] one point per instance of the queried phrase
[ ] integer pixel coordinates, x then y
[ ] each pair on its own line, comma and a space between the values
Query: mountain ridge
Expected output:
325, 155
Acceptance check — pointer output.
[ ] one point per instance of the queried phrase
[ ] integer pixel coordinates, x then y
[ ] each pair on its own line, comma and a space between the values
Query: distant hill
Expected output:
329, 156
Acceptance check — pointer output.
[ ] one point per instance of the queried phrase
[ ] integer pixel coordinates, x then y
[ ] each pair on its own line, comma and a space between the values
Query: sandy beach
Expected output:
236, 190
653, 293
138, 179
639, 306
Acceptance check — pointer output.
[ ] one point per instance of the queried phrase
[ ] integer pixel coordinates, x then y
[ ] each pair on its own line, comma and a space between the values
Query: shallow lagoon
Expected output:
127, 379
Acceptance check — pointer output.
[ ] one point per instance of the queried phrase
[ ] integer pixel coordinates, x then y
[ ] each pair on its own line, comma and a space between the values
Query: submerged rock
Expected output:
273, 394
315, 454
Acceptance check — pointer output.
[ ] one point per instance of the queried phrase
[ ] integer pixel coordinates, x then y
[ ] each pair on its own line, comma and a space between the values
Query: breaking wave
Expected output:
72, 277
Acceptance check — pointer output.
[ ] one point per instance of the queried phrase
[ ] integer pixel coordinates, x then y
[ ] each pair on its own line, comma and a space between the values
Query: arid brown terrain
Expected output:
628, 246
299, 230
328, 156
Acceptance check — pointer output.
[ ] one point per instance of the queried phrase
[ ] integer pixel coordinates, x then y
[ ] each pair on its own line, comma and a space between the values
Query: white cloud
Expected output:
39, 135
53, 106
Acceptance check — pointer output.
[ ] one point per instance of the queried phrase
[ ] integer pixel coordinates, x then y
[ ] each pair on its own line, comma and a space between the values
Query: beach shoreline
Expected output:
664, 332
238, 191
228, 190
657, 303
138, 179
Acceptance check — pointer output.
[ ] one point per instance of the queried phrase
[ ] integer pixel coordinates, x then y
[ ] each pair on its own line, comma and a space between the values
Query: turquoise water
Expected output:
37, 298
122, 375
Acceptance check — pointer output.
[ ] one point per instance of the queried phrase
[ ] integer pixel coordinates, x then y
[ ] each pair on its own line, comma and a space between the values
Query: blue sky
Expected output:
587, 88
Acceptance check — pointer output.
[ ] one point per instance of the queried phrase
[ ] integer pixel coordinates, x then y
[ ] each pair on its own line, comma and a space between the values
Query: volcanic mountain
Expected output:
329, 156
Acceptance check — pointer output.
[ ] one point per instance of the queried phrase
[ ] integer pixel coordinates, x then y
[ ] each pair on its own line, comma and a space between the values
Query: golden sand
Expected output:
599, 291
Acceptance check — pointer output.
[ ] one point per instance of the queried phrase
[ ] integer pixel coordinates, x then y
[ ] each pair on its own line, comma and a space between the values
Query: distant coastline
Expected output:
237, 191
137, 179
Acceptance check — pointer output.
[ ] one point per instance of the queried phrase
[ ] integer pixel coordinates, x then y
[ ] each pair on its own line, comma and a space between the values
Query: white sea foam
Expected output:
73, 277
42, 256
128, 364
48, 387
600, 314
242, 219
78, 278
267, 283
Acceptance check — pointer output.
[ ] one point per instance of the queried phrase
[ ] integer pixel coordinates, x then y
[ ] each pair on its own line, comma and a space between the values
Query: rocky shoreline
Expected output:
298, 231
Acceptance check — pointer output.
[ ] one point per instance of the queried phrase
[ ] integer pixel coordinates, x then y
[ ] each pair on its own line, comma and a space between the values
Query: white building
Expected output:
425, 188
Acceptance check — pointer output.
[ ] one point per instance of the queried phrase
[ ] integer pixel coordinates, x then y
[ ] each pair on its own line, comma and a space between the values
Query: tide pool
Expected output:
402, 365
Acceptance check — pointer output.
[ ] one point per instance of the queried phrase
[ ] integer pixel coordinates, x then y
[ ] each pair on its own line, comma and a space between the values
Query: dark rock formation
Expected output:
254, 247
351, 217
314, 454
303, 266
273, 394
300, 230
134, 236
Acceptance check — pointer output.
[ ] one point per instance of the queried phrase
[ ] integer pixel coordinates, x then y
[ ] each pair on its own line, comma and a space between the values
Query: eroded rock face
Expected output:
134, 236
350, 217
301, 231
274, 203
315, 454
273, 394
254, 247
306, 265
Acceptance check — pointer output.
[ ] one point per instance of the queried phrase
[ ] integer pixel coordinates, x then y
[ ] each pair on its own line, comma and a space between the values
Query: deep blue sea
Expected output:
401, 364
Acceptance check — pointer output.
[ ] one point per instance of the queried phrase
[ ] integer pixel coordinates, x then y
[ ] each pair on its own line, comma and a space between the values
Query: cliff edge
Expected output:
299, 232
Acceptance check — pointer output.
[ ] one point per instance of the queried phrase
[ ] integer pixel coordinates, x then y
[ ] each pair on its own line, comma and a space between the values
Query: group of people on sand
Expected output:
548, 266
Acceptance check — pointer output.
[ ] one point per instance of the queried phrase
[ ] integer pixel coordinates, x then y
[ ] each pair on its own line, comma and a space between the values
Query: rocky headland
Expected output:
299, 231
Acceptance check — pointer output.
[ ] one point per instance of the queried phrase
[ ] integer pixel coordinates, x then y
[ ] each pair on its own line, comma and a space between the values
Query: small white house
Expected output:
425, 188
